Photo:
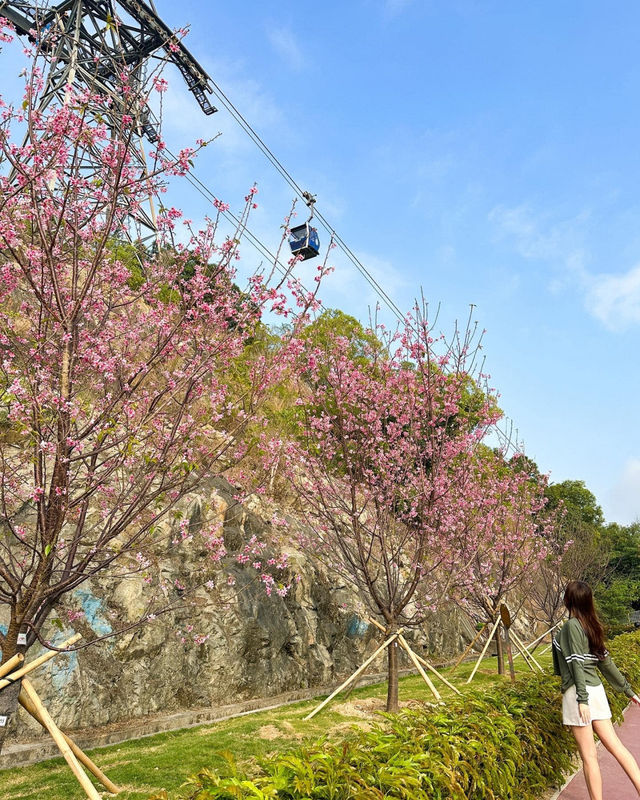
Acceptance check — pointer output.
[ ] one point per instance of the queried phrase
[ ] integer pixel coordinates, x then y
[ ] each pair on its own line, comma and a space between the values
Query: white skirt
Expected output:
598, 705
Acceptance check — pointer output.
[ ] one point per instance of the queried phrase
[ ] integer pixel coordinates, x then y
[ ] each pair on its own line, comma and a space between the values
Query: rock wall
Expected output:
258, 646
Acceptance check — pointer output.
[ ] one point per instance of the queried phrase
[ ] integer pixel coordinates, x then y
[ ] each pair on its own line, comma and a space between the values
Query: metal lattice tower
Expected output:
88, 42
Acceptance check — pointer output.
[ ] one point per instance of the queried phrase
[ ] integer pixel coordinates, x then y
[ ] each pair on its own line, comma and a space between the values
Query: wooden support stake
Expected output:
422, 660
535, 641
440, 675
38, 661
522, 649
360, 669
59, 739
526, 655
484, 649
12, 663
468, 649
82, 757
350, 689
418, 666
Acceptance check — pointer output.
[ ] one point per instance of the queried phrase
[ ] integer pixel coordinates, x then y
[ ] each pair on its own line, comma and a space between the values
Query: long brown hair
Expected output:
578, 598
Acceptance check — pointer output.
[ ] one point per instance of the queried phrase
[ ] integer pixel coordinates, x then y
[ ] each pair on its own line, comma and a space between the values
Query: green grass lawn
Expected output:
165, 760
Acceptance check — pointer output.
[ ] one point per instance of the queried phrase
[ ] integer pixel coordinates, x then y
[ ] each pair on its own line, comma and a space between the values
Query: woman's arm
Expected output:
613, 675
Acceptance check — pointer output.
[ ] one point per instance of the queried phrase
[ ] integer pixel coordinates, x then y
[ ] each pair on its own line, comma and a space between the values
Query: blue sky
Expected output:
484, 151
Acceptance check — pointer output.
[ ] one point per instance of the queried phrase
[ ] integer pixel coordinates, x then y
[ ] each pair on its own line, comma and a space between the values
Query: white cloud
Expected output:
537, 238
624, 497
615, 299
286, 45
612, 298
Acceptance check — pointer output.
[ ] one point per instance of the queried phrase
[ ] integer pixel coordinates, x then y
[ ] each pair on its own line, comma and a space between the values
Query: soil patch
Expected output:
269, 732
290, 729
369, 707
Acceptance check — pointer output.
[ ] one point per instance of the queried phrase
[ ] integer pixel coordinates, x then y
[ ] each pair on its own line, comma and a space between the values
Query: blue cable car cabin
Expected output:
304, 241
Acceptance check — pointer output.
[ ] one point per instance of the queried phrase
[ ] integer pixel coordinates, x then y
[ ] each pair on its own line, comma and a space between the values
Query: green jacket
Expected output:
577, 666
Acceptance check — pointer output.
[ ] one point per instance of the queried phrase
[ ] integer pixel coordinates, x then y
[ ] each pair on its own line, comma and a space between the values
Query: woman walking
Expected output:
578, 651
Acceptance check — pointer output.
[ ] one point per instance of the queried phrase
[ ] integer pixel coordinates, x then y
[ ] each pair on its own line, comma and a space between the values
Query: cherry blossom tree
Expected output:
115, 402
575, 552
508, 538
385, 471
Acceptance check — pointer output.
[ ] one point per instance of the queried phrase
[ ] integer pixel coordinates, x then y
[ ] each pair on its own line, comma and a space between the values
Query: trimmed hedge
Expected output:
503, 744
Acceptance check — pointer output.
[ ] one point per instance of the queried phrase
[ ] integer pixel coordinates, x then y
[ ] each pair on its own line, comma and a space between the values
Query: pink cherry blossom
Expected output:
115, 360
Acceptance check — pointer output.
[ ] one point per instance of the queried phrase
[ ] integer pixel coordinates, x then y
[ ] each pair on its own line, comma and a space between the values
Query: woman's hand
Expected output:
585, 712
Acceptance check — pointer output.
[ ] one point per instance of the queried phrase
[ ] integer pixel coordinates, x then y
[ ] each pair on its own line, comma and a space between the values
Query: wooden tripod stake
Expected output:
484, 650
30, 701
435, 671
525, 653
58, 738
505, 618
352, 677
15, 676
414, 656
542, 635
83, 758
468, 649
12, 663
418, 666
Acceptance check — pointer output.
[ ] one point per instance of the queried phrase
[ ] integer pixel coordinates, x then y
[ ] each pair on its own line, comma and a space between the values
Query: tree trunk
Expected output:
499, 650
392, 678
8, 707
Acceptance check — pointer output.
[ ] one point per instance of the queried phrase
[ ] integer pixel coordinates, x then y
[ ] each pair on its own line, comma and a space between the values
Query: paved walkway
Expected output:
615, 784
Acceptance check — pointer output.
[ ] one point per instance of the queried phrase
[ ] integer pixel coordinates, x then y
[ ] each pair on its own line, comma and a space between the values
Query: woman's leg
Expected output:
609, 738
587, 747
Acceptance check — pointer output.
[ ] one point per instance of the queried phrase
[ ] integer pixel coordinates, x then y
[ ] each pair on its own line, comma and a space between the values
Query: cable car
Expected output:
304, 241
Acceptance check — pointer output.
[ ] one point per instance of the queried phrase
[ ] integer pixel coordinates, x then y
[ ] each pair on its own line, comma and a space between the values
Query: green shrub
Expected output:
502, 744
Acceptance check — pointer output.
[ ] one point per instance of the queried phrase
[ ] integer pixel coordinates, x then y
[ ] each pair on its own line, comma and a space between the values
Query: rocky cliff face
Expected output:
258, 646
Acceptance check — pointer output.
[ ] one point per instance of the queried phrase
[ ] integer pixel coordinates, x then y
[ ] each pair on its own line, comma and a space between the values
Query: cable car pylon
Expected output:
87, 43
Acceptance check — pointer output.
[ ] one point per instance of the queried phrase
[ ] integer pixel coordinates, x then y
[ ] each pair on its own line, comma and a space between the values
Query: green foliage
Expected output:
364, 344
579, 502
619, 590
614, 599
522, 463
624, 544
132, 256
473, 399
625, 651
585, 547
503, 744
606, 556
